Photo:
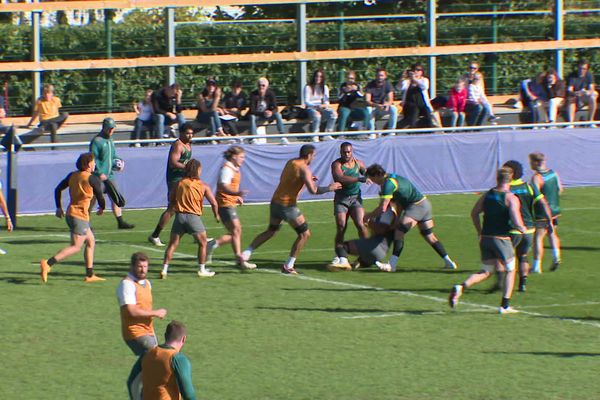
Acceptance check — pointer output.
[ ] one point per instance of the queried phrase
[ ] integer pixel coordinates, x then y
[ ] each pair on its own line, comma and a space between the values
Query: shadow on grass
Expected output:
582, 248
36, 242
327, 309
565, 354
374, 289
63, 229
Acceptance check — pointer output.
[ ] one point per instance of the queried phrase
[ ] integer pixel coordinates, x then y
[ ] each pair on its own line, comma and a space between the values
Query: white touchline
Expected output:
583, 303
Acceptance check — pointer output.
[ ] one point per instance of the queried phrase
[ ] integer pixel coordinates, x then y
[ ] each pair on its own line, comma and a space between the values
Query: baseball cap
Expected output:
108, 123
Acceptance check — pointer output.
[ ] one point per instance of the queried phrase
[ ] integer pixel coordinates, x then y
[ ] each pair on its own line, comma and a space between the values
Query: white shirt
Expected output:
227, 172
315, 98
126, 290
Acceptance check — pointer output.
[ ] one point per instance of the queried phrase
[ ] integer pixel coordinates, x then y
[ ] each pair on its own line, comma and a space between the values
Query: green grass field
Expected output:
352, 335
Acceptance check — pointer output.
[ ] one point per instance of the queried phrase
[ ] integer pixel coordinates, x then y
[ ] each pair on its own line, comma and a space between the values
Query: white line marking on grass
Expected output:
577, 230
583, 303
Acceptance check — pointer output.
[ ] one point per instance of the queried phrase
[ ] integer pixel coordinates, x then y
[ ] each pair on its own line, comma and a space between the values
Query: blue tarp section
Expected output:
435, 163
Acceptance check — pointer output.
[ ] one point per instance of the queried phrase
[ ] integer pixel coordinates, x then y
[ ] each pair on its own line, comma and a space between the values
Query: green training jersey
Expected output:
496, 216
551, 191
105, 155
350, 189
176, 174
529, 195
400, 190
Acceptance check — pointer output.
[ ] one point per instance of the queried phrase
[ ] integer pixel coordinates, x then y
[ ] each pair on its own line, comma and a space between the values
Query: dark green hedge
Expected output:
88, 91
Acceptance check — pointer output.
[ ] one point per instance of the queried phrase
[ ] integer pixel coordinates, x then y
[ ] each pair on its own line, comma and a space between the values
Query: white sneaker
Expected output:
385, 267
155, 241
372, 136
336, 260
455, 294
507, 310
594, 126
247, 265
284, 141
327, 138
2, 251
163, 274
450, 265
207, 273
137, 145
570, 126
210, 248
537, 270
315, 139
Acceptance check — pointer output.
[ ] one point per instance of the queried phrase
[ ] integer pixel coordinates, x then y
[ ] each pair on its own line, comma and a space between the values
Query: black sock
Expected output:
398, 246
157, 231
52, 261
340, 251
89, 272
439, 248
120, 219
523, 280
505, 302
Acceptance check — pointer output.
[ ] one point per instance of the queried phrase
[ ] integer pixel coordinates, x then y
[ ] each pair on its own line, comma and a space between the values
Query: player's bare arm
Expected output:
208, 194
514, 209
475, 213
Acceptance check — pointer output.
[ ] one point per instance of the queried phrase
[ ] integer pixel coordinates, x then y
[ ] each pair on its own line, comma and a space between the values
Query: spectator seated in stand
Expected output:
581, 91
379, 97
263, 108
47, 109
351, 104
316, 100
231, 107
415, 100
144, 122
166, 103
208, 105
457, 101
470, 78
556, 92
475, 110
533, 97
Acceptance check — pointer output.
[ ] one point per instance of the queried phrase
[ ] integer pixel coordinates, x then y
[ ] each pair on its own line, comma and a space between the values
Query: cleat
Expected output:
288, 270
210, 248
536, 270
356, 265
455, 294
125, 225
155, 241
555, 265
507, 310
245, 265
44, 270
335, 261
450, 265
93, 278
2, 252
339, 267
163, 274
385, 267
207, 273
522, 288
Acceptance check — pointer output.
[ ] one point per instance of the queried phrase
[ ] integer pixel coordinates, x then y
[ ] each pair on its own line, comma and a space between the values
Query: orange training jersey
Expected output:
290, 183
158, 379
133, 327
81, 193
189, 196
228, 200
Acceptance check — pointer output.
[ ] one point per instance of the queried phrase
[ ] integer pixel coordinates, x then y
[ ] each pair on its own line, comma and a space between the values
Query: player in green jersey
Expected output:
548, 183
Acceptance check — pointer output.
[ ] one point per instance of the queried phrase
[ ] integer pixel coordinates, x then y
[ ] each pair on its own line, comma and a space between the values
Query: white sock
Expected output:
202, 267
290, 262
215, 245
393, 261
556, 254
536, 265
246, 254
343, 260
165, 268
447, 259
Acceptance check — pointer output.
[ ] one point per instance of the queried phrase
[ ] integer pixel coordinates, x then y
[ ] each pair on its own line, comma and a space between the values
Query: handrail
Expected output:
402, 132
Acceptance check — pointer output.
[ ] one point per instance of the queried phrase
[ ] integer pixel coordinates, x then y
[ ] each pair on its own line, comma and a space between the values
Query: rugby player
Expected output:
501, 211
417, 211
229, 196
348, 171
179, 154
548, 183
83, 186
296, 174
187, 200
4, 209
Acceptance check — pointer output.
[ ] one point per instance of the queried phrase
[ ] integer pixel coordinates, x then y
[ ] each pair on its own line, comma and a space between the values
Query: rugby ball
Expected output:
119, 165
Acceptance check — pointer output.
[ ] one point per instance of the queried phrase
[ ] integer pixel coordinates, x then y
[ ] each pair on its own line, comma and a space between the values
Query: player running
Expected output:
83, 186
296, 174
529, 196
229, 196
179, 154
548, 183
417, 211
187, 198
500, 208
348, 171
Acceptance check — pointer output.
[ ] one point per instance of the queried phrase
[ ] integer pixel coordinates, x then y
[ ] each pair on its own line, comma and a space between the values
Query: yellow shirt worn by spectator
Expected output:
48, 109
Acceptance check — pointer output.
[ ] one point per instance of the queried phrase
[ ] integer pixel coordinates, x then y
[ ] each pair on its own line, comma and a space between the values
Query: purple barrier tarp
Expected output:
435, 163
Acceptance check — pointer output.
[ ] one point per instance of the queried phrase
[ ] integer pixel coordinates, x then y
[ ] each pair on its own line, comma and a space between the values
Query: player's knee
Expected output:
404, 228
302, 230
273, 228
426, 232
201, 239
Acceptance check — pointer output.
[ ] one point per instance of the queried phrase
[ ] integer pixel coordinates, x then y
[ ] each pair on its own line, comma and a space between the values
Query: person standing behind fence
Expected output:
351, 103
316, 99
208, 104
379, 97
145, 118
107, 161
263, 107
167, 108
231, 107
47, 109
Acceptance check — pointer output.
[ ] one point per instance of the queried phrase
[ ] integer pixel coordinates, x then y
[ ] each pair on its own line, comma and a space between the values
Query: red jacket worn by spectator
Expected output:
457, 100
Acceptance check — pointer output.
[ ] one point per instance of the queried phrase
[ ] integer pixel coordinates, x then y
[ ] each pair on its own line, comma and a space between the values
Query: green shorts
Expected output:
187, 223
342, 203
228, 214
78, 226
284, 213
495, 248
543, 223
420, 211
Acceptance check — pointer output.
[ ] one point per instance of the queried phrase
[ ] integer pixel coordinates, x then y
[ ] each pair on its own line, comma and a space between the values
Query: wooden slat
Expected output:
296, 56
119, 4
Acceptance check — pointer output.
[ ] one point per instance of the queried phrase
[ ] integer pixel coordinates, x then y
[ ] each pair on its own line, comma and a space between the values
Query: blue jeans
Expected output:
210, 118
457, 119
356, 114
254, 119
161, 119
376, 113
138, 128
476, 114
316, 115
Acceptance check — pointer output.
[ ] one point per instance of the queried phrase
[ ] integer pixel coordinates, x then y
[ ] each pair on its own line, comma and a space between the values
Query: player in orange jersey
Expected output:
296, 174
